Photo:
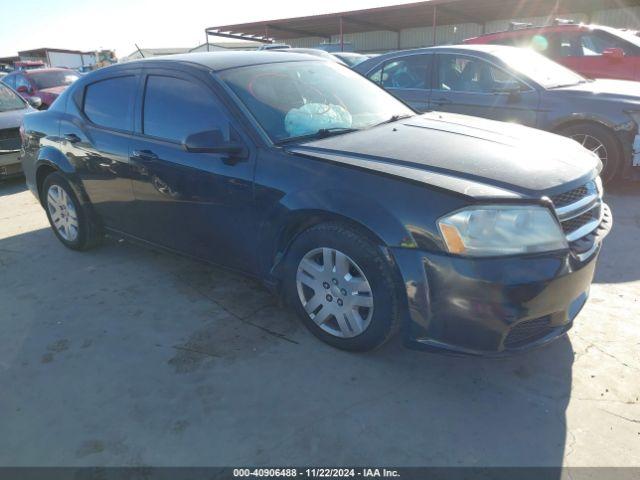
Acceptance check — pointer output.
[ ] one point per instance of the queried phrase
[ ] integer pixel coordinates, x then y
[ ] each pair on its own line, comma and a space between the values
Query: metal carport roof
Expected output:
419, 14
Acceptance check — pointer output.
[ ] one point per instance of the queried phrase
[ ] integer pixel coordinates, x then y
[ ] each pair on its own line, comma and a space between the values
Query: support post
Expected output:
206, 38
341, 35
435, 23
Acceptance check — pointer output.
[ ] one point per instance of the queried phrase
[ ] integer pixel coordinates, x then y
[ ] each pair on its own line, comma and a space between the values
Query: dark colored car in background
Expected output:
519, 86
12, 110
593, 51
44, 83
350, 59
316, 52
467, 234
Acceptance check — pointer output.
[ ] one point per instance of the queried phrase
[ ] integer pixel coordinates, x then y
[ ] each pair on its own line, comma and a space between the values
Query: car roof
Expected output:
540, 28
482, 48
45, 70
218, 61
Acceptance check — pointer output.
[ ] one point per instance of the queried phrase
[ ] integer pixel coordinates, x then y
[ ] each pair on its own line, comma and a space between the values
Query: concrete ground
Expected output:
124, 356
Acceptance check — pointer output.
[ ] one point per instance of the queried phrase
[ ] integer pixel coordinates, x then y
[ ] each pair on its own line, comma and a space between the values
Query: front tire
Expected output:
342, 287
69, 219
602, 142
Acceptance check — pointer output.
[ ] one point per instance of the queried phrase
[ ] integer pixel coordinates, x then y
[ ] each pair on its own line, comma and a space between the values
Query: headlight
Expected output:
487, 231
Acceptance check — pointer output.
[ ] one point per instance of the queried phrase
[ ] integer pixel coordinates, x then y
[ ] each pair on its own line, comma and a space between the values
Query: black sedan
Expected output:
467, 234
520, 86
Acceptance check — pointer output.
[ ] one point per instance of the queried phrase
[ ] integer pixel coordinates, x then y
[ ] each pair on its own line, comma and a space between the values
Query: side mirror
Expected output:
212, 141
35, 102
613, 53
22, 89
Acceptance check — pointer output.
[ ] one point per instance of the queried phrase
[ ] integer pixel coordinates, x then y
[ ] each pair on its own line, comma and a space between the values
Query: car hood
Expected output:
472, 156
12, 118
617, 90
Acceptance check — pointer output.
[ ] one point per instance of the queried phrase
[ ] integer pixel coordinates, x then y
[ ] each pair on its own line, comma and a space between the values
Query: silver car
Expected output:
12, 109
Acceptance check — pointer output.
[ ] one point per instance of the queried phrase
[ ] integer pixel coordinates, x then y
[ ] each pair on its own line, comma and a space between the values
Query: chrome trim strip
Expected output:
584, 230
581, 206
584, 256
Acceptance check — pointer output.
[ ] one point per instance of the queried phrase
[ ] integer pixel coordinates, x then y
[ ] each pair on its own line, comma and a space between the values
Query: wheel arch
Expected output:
583, 119
294, 216
51, 160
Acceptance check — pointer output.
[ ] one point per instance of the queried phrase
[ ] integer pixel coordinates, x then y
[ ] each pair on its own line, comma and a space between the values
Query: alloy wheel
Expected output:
593, 144
63, 213
334, 292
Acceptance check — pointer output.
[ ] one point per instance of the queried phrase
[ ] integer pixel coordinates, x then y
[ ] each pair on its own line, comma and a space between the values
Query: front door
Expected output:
473, 86
196, 203
408, 78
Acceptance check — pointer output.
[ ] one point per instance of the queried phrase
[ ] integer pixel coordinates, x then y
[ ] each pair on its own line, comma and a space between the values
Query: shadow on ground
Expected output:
12, 186
124, 356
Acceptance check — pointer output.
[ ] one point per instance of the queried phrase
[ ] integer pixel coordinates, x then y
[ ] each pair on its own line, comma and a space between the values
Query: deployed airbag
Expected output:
312, 117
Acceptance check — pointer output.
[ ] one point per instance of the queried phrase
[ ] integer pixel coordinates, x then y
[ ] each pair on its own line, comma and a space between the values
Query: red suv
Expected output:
591, 50
46, 83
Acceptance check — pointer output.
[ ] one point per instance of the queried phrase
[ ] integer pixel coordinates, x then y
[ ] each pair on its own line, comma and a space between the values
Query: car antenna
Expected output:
139, 50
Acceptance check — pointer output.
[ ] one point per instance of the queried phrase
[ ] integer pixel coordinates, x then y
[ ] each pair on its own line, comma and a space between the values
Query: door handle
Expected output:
144, 155
442, 101
71, 137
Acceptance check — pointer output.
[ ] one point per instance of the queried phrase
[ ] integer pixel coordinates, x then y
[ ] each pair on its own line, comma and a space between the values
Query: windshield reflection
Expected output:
297, 99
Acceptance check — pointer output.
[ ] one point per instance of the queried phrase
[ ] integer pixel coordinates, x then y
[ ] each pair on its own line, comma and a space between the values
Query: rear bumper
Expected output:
10, 163
492, 306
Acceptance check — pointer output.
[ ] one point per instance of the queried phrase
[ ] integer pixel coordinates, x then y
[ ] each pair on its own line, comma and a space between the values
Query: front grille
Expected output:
9, 133
575, 223
577, 208
528, 331
568, 198
10, 139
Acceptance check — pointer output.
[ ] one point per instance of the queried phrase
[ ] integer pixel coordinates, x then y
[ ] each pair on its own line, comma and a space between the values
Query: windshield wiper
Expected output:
393, 119
322, 133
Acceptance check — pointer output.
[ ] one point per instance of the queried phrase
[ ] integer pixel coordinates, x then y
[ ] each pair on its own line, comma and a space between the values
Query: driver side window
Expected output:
471, 75
407, 72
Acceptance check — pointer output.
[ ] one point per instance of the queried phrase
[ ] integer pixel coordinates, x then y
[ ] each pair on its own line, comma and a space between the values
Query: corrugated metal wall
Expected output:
381, 41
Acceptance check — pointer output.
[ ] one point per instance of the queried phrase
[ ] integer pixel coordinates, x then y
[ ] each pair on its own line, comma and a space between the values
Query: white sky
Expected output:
118, 24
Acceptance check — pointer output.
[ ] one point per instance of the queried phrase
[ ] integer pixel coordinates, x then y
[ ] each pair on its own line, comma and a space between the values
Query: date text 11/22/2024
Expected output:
315, 473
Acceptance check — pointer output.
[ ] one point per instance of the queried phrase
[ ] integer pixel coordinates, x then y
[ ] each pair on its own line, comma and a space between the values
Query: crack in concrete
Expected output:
632, 420
194, 350
591, 345
244, 319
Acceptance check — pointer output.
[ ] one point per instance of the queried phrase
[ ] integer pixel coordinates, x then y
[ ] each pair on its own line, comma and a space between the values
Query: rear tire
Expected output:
353, 303
70, 220
601, 141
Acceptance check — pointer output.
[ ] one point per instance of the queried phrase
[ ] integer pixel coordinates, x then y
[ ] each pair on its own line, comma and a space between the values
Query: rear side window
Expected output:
109, 103
175, 108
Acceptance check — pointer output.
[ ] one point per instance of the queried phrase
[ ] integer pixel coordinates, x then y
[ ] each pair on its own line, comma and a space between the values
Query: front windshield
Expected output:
296, 99
9, 100
55, 78
539, 68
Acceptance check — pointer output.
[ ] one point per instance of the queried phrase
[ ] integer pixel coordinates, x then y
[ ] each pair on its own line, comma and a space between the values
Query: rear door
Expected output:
407, 78
473, 86
197, 203
96, 136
